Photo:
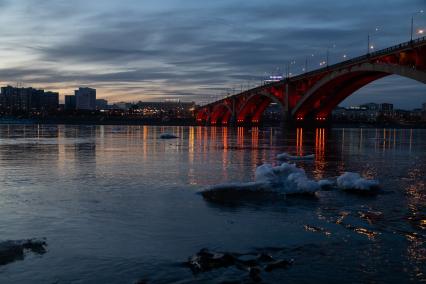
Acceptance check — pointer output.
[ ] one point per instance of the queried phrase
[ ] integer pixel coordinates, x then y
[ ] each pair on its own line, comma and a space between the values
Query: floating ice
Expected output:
283, 179
288, 157
354, 182
326, 183
168, 136
286, 178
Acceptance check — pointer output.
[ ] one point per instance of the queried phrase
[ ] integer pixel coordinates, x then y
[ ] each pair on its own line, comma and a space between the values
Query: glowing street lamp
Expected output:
412, 22
371, 46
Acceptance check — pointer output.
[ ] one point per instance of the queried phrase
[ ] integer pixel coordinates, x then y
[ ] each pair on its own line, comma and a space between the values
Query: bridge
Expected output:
311, 97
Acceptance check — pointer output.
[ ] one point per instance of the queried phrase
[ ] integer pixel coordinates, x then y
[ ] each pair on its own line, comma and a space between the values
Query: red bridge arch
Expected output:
313, 95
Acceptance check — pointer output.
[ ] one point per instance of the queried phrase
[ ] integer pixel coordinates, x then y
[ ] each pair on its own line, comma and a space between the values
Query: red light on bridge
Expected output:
300, 118
321, 118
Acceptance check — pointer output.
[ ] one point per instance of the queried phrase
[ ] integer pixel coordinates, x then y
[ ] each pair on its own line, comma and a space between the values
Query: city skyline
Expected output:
165, 50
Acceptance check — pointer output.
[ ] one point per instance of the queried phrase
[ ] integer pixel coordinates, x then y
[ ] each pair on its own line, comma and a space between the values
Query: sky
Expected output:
192, 50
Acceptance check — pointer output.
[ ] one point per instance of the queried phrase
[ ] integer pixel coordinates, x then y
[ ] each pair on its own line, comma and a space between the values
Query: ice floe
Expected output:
354, 182
326, 183
168, 136
253, 263
288, 157
286, 179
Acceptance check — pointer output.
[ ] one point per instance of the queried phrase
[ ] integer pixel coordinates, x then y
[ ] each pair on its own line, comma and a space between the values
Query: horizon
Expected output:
344, 104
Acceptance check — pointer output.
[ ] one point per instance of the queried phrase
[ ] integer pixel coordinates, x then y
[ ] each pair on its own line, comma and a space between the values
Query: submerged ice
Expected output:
11, 251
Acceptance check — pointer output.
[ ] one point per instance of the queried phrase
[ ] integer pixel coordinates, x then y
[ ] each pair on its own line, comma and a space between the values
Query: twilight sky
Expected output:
195, 50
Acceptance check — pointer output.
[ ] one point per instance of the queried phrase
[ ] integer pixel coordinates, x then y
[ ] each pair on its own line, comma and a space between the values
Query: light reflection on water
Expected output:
117, 204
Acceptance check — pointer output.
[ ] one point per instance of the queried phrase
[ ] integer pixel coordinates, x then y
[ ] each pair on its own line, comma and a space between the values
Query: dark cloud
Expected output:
204, 49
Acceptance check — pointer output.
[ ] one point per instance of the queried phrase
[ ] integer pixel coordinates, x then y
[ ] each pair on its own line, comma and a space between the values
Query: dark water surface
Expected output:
117, 204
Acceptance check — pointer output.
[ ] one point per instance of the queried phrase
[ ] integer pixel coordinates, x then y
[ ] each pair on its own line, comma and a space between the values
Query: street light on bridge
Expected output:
370, 45
412, 24
306, 68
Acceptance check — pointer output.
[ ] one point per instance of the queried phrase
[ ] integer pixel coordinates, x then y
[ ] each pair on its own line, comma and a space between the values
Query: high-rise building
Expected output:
70, 102
49, 101
27, 100
85, 99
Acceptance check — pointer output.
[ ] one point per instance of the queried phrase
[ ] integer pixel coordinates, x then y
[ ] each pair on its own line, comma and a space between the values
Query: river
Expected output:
117, 204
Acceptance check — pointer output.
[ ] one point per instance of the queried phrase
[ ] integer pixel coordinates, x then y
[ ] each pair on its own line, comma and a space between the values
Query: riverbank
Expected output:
118, 120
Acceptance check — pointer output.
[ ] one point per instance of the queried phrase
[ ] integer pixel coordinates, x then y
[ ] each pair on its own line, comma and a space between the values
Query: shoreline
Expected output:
190, 122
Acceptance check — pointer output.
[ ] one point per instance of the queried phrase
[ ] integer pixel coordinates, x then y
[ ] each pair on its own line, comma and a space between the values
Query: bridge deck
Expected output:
344, 64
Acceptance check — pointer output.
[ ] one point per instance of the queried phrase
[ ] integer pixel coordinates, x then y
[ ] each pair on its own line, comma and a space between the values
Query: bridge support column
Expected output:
287, 111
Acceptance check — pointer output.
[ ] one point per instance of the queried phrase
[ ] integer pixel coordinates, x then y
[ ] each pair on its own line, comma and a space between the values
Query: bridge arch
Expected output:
327, 93
255, 105
203, 115
221, 114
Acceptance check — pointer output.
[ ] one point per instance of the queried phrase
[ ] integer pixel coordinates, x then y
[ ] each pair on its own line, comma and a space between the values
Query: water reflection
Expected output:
416, 204
225, 152
320, 162
299, 142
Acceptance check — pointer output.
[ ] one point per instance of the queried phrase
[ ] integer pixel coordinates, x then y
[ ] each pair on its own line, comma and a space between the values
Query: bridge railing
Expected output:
361, 58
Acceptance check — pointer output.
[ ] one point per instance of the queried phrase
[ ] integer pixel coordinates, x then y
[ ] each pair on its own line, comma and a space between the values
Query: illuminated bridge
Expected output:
312, 96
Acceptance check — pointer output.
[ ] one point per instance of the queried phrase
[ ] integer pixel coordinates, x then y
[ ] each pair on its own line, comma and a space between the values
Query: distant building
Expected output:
85, 99
70, 103
175, 109
273, 112
416, 114
371, 106
122, 106
424, 107
49, 101
101, 104
385, 107
25, 100
371, 111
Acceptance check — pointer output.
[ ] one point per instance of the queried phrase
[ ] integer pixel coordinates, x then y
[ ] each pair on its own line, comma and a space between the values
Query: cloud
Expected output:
149, 48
